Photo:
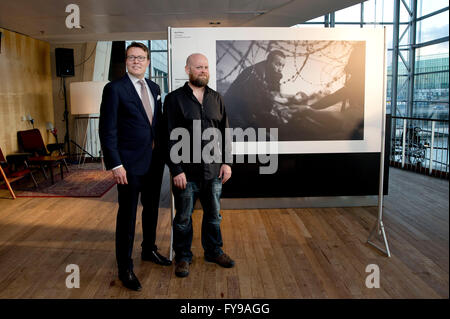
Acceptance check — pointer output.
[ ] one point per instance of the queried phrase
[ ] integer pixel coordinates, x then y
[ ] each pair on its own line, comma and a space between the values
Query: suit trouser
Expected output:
149, 187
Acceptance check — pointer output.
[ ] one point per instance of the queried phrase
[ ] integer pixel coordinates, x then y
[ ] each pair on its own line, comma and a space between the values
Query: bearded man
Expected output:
197, 104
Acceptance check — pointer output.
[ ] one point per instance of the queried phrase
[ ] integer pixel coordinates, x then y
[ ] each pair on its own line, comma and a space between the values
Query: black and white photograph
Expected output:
311, 90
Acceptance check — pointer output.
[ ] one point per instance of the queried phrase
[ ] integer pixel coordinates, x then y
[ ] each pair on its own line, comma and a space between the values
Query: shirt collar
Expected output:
134, 79
190, 91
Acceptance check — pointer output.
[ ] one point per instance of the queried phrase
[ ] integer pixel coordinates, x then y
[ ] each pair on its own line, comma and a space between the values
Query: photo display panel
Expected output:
322, 89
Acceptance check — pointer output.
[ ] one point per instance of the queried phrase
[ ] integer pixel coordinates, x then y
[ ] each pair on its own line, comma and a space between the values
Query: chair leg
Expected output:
34, 180
65, 164
31, 173
7, 183
64, 160
43, 171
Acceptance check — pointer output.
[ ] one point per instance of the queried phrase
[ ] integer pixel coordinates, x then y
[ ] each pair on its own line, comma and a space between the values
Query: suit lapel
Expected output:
135, 96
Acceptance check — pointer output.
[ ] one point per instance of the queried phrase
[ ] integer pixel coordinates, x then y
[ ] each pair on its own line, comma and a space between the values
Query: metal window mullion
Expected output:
412, 55
432, 14
361, 21
395, 54
403, 34
431, 72
435, 41
332, 20
404, 62
407, 7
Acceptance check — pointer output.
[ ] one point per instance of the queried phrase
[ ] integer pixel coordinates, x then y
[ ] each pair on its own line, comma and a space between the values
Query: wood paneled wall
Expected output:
25, 88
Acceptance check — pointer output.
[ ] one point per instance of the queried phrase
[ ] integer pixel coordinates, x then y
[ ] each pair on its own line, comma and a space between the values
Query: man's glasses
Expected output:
140, 58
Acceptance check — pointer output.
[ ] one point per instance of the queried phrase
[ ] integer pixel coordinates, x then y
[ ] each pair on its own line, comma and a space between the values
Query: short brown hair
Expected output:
138, 45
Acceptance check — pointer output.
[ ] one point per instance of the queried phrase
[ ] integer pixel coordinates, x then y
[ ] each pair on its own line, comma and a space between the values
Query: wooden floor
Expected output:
280, 253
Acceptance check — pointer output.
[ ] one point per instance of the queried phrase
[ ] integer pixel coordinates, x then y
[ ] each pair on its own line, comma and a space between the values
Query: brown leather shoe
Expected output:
223, 260
182, 269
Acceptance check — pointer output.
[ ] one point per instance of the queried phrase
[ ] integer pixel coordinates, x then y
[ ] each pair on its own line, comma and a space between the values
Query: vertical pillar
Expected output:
412, 56
395, 59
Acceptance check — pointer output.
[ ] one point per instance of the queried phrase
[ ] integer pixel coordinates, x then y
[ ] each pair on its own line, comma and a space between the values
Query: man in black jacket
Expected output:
196, 108
130, 132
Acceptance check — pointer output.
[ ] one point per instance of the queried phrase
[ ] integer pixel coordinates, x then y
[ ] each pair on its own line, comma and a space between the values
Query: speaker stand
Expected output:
66, 119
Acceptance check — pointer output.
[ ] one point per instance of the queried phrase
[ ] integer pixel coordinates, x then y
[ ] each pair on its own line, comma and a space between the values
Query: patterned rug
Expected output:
78, 182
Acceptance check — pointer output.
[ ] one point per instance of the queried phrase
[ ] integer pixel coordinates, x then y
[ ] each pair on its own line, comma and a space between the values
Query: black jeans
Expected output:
208, 191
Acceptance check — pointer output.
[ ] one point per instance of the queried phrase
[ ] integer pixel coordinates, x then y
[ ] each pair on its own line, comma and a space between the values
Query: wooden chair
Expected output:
11, 174
31, 141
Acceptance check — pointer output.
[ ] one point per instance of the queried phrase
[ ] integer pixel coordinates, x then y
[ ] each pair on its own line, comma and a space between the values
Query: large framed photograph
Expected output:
321, 89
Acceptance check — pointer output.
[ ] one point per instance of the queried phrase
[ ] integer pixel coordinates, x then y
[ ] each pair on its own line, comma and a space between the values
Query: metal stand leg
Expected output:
379, 230
172, 216
379, 227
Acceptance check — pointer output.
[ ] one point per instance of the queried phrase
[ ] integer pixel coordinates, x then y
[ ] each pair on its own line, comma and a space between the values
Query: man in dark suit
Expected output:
131, 137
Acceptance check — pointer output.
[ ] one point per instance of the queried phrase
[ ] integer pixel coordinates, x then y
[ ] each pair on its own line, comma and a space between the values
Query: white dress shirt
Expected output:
137, 86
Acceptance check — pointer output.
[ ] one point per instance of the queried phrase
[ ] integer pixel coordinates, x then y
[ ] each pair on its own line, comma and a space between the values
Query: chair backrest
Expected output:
2, 158
31, 141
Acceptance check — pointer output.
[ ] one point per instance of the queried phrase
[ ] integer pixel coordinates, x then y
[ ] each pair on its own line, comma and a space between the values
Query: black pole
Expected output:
66, 119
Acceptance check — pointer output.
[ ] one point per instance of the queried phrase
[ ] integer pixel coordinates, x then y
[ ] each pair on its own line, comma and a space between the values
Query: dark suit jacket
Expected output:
125, 132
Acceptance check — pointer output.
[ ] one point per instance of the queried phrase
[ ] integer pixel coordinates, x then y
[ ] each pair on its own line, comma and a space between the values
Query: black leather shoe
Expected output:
130, 280
155, 257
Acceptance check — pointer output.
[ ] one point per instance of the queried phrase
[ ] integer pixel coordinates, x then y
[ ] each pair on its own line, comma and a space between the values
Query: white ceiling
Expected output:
149, 19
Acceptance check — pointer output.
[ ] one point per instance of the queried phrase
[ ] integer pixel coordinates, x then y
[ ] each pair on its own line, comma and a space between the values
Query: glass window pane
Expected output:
434, 27
431, 110
158, 64
343, 25
386, 9
379, 11
404, 14
401, 108
309, 25
370, 14
405, 39
389, 35
127, 43
164, 85
389, 62
425, 7
432, 58
350, 14
403, 63
431, 87
402, 91
318, 19
158, 45
315, 23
